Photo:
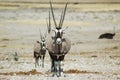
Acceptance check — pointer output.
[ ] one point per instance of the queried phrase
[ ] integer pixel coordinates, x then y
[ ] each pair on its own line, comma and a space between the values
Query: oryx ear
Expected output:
65, 28
38, 41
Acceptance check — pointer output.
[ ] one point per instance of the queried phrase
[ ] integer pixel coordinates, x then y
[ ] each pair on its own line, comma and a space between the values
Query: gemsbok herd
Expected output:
56, 43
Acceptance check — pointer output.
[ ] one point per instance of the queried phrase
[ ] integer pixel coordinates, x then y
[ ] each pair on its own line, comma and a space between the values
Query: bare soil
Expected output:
90, 58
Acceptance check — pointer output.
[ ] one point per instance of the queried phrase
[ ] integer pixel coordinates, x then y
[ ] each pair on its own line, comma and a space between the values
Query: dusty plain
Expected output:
90, 58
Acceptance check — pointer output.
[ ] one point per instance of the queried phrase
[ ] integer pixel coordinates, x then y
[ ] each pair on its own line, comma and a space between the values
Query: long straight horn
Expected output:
60, 20
53, 14
49, 24
40, 34
49, 20
63, 16
45, 34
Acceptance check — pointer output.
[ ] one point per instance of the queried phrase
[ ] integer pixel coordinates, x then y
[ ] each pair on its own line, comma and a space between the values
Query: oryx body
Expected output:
58, 50
57, 44
40, 51
57, 53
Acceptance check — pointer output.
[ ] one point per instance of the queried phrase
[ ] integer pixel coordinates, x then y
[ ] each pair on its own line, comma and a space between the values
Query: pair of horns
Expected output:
61, 19
41, 37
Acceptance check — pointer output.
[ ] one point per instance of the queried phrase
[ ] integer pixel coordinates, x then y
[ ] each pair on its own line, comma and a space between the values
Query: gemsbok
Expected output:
40, 50
58, 45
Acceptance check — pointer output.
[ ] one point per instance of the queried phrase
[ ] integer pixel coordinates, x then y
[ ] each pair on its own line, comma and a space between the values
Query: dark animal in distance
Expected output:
15, 56
58, 45
40, 51
107, 35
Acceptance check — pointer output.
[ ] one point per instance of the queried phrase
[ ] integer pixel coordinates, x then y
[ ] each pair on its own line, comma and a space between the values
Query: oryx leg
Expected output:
42, 60
59, 69
55, 68
52, 62
61, 58
36, 56
36, 62
52, 65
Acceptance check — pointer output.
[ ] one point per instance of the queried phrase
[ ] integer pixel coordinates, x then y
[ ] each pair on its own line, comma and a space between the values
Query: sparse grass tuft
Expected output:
115, 47
72, 71
3, 46
1, 67
75, 71
93, 56
112, 48
5, 39
32, 72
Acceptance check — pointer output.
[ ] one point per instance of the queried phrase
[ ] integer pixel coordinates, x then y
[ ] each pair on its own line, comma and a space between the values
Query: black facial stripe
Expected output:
58, 35
43, 44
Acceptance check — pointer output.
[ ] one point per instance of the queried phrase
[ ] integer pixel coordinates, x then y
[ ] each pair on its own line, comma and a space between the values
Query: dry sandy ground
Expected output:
90, 58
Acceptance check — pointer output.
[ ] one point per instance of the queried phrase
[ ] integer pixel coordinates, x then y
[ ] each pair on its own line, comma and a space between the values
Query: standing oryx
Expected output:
57, 45
40, 50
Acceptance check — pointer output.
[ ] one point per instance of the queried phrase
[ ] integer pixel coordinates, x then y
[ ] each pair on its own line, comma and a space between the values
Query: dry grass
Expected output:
114, 56
75, 71
26, 55
89, 54
43, 22
93, 56
115, 47
32, 72
81, 7
1, 67
111, 48
79, 42
5, 39
3, 46
82, 53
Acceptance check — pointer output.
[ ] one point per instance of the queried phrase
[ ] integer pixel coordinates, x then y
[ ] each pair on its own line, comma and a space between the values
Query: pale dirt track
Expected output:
89, 58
